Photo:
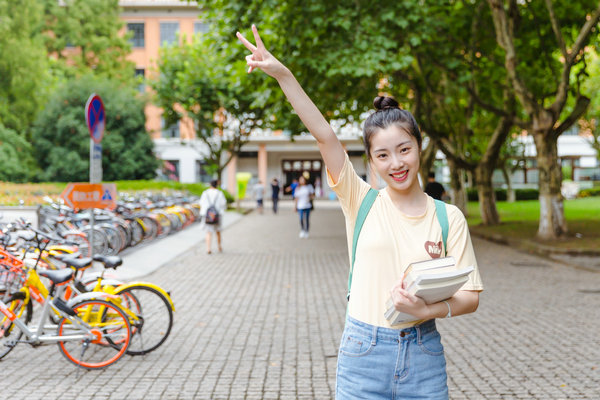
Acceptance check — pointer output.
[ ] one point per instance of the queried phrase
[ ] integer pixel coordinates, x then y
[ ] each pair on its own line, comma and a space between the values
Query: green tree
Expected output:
23, 66
197, 82
590, 124
359, 49
84, 37
543, 44
61, 139
18, 164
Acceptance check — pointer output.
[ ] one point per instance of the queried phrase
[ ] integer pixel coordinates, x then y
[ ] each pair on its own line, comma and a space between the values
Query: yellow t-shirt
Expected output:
389, 241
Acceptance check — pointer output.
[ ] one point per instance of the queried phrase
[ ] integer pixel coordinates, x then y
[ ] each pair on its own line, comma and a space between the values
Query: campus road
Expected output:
263, 320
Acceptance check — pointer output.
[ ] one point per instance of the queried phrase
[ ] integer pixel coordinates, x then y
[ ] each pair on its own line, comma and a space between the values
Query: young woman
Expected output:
376, 360
213, 197
303, 194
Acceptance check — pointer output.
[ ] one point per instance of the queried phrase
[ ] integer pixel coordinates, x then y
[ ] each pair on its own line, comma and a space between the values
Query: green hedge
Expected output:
592, 192
501, 194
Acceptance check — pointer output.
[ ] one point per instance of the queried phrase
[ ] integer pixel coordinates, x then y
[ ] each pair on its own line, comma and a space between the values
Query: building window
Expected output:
168, 33
200, 27
139, 76
171, 131
170, 170
137, 38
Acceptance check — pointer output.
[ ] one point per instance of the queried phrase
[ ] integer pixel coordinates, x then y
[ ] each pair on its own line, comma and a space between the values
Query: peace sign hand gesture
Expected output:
261, 58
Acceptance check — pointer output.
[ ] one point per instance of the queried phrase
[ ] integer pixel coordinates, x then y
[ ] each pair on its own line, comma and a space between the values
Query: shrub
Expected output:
502, 195
592, 192
527, 194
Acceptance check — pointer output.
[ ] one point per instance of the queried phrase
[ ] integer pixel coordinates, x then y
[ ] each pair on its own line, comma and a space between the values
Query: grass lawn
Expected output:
520, 221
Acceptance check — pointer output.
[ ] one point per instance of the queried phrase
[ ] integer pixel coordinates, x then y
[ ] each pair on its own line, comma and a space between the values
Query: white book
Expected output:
432, 288
427, 279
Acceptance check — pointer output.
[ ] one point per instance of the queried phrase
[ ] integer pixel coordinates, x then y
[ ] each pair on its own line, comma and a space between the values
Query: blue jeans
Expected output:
383, 363
304, 218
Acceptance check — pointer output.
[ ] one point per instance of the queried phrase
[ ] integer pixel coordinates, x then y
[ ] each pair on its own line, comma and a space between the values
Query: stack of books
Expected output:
432, 280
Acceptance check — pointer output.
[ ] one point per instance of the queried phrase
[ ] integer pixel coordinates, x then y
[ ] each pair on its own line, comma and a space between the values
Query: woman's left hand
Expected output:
408, 303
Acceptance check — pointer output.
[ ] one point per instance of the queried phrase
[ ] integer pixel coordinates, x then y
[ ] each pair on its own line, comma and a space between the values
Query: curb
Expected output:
540, 249
538, 246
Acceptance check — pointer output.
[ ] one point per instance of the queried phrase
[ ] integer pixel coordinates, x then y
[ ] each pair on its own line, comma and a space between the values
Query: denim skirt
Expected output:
383, 363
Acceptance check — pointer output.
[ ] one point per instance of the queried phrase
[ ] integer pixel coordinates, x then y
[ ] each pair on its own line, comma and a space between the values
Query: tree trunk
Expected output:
510, 193
458, 194
427, 160
485, 190
552, 215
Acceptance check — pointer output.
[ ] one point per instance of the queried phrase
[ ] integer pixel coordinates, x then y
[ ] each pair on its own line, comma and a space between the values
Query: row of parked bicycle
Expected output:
94, 319
135, 220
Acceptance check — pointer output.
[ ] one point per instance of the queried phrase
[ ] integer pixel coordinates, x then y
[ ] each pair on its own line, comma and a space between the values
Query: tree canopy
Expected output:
23, 66
61, 140
18, 165
197, 82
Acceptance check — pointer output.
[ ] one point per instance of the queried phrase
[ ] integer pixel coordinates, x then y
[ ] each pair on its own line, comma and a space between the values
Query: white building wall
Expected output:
185, 153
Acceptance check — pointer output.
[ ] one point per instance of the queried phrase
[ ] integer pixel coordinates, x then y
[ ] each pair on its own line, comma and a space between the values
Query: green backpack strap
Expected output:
364, 209
442, 216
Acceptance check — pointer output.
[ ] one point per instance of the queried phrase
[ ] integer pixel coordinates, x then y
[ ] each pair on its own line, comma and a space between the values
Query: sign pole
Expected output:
95, 120
91, 236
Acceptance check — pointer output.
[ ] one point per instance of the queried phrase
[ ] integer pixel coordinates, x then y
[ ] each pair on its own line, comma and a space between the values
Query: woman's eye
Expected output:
381, 156
404, 150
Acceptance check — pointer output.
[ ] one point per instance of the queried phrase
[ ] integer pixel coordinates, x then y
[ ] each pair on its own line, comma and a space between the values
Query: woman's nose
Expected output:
397, 161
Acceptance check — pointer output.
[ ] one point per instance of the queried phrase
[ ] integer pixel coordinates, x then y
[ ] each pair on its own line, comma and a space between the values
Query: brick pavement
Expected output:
263, 321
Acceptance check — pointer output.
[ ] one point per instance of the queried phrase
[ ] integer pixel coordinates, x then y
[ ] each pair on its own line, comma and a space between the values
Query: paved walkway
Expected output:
263, 321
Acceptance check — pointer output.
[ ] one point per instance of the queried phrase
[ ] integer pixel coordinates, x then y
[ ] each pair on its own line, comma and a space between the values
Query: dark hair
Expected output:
389, 113
431, 175
214, 183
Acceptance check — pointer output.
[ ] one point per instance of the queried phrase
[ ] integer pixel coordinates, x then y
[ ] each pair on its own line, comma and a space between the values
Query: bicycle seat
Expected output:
77, 263
109, 261
57, 276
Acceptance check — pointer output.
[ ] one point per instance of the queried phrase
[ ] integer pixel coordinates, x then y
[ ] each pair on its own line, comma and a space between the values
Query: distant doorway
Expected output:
294, 169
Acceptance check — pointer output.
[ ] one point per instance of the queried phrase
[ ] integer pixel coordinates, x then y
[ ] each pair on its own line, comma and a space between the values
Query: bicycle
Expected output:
91, 333
148, 306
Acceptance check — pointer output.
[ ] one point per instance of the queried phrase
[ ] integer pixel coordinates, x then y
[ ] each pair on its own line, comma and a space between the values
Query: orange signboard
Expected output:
90, 195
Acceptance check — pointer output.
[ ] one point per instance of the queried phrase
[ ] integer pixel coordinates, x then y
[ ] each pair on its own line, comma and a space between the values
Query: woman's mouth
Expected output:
399, 176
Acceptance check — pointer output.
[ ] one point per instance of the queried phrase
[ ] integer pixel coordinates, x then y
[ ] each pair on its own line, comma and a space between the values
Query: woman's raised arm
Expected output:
329, 145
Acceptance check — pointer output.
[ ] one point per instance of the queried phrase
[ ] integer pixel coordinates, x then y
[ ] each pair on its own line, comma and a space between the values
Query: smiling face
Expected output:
395, 156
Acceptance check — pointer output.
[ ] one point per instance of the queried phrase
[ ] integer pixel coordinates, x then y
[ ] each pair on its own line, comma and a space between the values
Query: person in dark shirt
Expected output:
275, 193
433, 188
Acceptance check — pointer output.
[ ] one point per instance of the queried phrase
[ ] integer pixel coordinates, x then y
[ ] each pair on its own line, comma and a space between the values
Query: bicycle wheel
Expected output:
112, 335
100, 239
81, 241
9, 333
153, 321
151, 228
113, 237
137, 232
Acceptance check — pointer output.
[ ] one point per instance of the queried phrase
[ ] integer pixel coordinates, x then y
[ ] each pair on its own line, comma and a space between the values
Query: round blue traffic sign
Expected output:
94, 117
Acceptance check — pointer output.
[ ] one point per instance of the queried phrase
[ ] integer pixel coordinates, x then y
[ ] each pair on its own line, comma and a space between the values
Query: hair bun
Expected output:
383, 102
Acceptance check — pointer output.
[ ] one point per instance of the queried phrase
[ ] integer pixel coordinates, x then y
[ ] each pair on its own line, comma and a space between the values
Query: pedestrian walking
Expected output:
303, 202
212, 207
292, 188
275, 188
433, 188
318, 188
376, 360
259, 194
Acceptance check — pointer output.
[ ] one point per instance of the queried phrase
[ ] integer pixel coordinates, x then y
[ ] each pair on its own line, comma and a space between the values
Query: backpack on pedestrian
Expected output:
212, 214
